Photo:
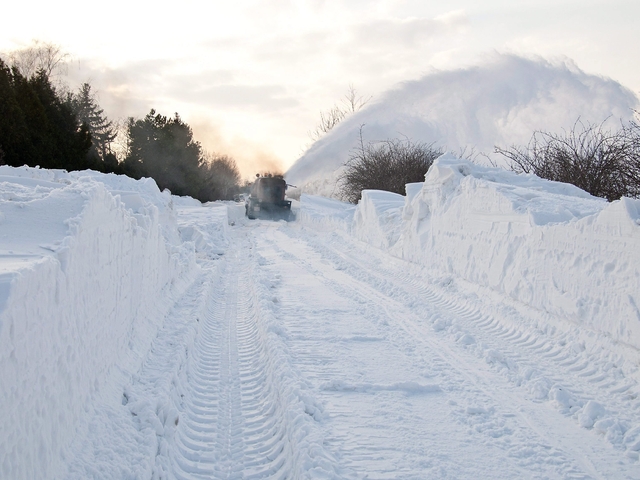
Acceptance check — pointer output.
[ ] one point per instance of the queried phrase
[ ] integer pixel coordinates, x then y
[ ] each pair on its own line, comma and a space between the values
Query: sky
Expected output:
252, 76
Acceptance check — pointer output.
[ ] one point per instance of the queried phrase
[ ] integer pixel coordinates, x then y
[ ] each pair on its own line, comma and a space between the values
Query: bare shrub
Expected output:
631, 168
388, 165
597, 160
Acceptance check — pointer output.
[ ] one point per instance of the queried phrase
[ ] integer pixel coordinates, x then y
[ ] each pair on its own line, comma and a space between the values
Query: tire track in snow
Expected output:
215, 395
554, 364
230, 442
374, 457
550, 365
236, 420
408, 287
228, 408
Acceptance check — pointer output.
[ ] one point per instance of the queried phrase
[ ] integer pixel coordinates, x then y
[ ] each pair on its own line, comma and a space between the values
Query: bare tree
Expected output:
595, 159
222, 176
328, 120
388, 165
350, 103
120, 144
45, 56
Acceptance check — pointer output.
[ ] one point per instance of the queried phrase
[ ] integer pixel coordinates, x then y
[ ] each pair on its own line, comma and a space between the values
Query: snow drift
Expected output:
546, 244
89, 267
500, 102
378, 219
326, 213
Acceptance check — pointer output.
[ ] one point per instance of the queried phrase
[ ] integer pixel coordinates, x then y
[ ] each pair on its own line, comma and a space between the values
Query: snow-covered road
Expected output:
483, 326
418, 380
315, 355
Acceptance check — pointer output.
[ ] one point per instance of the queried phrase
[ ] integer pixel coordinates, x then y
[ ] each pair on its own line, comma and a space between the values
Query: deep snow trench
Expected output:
310, 349
315, 357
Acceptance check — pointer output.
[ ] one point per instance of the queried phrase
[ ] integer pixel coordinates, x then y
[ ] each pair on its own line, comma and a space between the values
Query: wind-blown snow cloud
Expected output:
500, 102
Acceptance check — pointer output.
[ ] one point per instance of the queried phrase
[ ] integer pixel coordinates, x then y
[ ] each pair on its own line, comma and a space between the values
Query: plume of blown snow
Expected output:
499, 102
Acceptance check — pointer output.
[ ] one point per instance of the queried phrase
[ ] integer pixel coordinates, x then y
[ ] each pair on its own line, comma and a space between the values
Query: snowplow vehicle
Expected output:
266, 199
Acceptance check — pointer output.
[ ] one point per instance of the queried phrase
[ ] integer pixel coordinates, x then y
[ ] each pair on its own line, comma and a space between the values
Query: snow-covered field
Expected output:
484, 326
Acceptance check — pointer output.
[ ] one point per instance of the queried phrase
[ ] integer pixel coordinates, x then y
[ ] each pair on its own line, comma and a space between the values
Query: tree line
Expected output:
44, 124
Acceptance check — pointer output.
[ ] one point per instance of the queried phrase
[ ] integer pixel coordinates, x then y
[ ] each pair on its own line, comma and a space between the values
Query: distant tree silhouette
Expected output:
37, 127
41, 125
350, 103
45, 57
14, 135
221, 177
163, 148
87, 111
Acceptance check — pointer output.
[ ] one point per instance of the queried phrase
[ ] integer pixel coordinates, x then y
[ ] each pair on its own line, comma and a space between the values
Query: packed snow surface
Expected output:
485, 325
500, 101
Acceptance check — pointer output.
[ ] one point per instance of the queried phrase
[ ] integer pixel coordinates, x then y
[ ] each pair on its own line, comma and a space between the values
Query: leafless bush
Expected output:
387, 165
597, 160
631, 168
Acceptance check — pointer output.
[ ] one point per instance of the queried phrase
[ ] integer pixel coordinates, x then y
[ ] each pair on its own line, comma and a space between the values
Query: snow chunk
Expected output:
326, 213
378, 218
590, 413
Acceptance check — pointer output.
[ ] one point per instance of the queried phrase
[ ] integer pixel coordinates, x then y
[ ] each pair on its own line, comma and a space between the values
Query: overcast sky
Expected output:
251, 76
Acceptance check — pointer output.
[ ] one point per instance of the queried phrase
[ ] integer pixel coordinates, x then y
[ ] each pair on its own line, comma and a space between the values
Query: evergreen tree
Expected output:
163, 148
87, 111
14, 136
36, 126
66, 141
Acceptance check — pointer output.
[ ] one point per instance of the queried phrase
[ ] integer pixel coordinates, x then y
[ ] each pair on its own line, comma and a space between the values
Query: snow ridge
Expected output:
80, 307
546, 244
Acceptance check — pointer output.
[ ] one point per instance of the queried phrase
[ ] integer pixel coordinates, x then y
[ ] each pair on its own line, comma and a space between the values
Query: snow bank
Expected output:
547, 244
378, 218
88, 264
326, 213
498, 102
235, 212
209, 237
